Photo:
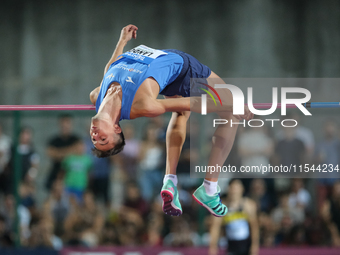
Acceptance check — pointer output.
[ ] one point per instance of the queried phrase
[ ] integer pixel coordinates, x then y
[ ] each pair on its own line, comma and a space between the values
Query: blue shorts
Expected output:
77, 193
192, 68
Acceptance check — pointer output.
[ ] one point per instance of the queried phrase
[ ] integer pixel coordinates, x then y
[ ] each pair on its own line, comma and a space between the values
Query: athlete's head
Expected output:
107, 137
65, 124
235, 189
336, 190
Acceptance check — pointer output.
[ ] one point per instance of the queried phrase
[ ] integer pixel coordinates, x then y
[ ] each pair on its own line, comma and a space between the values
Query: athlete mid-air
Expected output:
132, 81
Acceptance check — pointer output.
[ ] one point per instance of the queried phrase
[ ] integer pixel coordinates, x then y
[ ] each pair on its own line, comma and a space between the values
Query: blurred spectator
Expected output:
41, 235
128, 158
6, 238
84, 225
328, 152
109, 235
132, 216
151, 163
77, 167
285, 217
60, 146
9, 211
155, 225
255, 147
267, 230
290, 150
304, 134
287, 231
299, 196
259, 194
5, 153
316, 233
159, 123
297, 236
187, 201
100, 174
240, 223
58, 206
133, 200
27, 196
330, 213
29, 160
181, 234
130, 233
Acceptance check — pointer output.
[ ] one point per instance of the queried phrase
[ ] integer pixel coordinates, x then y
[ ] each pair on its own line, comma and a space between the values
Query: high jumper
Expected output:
129, 89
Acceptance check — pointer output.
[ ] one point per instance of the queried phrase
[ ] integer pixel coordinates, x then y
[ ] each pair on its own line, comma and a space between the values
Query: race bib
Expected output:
143, 54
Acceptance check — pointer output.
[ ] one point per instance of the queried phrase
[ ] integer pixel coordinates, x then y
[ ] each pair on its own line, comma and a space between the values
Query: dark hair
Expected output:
65, 116
284, 193
26, 128
2, 218
115, 150
234, 180
35, 221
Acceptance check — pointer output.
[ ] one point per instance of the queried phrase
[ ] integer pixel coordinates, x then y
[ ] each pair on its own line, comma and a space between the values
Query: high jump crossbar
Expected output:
83, 107
66, 107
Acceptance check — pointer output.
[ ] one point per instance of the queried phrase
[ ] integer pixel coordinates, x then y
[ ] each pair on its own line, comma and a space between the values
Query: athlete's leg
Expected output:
222, 142
224, 136
175, 137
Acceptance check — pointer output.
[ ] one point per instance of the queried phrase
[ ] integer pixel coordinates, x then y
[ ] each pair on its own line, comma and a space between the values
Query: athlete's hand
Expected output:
254, 250
248, 115
213, 251
128, 32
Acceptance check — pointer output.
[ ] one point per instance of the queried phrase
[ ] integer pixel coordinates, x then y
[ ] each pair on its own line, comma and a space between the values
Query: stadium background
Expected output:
54, 52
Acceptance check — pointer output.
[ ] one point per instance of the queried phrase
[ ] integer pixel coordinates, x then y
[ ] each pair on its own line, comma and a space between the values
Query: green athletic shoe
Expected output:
212, 203
171, 204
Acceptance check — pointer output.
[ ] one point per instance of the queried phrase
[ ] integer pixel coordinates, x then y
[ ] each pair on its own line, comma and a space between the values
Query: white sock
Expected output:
210, 187
171, 177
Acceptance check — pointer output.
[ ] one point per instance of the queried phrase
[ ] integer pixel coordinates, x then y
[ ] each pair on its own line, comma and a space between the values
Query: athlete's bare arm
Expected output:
94, 95
327, 217
215, 230
128, 32
250, 208
160, 106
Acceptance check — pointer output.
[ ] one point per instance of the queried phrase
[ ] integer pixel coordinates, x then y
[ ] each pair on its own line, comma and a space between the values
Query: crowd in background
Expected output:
79, 208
